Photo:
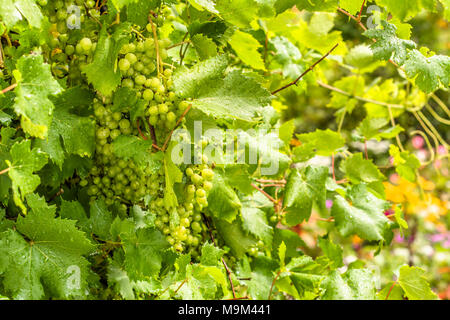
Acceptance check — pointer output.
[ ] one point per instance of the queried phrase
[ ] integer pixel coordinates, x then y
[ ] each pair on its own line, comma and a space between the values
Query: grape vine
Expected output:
220, 149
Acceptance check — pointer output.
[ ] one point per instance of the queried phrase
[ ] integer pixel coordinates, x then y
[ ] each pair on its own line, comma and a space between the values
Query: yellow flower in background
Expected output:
414, 200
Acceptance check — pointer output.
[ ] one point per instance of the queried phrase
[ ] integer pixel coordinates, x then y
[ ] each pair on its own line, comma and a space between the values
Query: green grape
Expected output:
124, 64
86, 44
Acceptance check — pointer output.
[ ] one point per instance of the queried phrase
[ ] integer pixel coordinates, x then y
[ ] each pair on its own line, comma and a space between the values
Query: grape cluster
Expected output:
112, 178
122, 182
191, 230
69, 51
137, 63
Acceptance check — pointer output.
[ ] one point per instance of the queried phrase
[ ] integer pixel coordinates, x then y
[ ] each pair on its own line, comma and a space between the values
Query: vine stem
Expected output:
441, 104
5, 171
332, 167
11, 87
268, 196
385, 104
139, 130
178, 44
155, 37
273, 283
360, 12
390, 290
365, 149
306, 71
283, 181
397, 137
436, 116
176, 125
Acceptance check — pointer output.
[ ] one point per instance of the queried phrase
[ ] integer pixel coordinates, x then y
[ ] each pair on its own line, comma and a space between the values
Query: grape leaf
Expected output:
372, 128
35, 86
255, 222
51, 259
187, 82
223, 201
233, 97
173, 175
301, 192
388, 45
211, 255
137, 12
405, 163
24, 163
360, 170
320, 142
204, 4
362, 215
413, 282
205, 47
430, 72
309, 5
138, 149
238, 12
119, 4
355, 284
68, 125
332, 251
14, 11
102, 73
235, 237
246, 47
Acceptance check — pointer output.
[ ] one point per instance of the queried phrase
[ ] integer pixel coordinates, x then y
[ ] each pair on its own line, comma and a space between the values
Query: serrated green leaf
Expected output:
360, 170
405, 163
33, 91
205, 47
355, 284
67, 125
246, 47
363, 215
301, 192
25, 162
320, 142
50, 260
372, 128
103, 73
428, 73
332, 251
223, 201
238, 12
14, 11
414, 283
388, 45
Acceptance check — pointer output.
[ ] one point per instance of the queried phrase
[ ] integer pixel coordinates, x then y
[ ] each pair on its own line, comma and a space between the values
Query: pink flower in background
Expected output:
394, 178
398, 238
438, 237
388, 212
418, 142
329, 204
391, 160
444, 238
441, 150
438, 164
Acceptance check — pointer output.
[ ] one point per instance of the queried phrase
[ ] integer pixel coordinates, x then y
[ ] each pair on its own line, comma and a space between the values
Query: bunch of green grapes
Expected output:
68, 49
137, 63
114, 179
190, 231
